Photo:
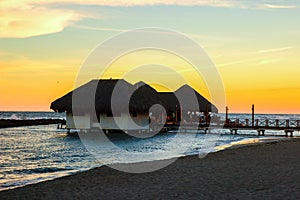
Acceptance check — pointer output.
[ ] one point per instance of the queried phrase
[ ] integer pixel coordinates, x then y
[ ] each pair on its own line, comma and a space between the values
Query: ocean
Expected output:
33, 154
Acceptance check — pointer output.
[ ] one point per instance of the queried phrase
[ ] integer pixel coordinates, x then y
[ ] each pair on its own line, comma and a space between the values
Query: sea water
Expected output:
33, 154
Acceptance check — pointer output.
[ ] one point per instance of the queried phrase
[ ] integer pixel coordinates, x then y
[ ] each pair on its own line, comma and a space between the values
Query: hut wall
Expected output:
125, 122
82, 122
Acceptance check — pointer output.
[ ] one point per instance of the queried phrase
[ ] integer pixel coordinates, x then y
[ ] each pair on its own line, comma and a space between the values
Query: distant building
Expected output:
91, 105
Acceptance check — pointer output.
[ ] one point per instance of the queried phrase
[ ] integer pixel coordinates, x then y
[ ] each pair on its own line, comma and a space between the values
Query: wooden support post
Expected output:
207, 130
247, 122
289, 131
277, 122
267, 122
261, 132
226, 116
237, 122
256, 122
253, 114
287, 123
298, 123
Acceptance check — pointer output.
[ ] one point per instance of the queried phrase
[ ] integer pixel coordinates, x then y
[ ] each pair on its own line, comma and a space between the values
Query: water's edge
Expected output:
239, 144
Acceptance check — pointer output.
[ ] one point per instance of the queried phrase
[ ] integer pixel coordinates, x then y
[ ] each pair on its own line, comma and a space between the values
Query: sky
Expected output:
255, 46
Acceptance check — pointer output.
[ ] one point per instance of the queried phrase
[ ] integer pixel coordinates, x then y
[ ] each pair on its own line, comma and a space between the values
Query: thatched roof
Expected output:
169, 101
144, 95
96, 95
204, 104
187, 102
99, 93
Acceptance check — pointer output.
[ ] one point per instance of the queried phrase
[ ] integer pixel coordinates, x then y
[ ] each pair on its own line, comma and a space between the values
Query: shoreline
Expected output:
108, 176
238, 144
60, 174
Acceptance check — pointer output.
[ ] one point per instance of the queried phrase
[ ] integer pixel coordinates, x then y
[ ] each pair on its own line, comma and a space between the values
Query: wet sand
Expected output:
263, 171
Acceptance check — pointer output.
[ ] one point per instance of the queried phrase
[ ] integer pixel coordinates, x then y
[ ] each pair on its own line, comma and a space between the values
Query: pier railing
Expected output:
266, 123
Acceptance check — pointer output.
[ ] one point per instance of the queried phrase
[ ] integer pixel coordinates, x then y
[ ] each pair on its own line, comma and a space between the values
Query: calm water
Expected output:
37, 153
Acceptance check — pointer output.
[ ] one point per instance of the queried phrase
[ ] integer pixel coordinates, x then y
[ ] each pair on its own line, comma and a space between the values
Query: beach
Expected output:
261, 171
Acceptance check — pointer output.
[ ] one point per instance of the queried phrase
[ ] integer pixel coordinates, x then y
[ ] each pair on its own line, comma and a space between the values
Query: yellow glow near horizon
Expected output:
43, 44
267, 86
162, 70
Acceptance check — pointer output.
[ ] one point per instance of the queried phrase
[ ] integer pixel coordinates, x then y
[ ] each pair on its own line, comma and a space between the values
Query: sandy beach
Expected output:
262, 171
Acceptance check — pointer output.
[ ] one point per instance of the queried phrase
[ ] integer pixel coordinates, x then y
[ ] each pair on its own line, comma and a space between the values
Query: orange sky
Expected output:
254, 46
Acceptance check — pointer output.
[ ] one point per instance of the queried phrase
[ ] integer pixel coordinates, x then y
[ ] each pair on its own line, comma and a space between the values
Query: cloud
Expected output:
272, 6
27, 18
268, 61
98, 28
214, 3
21, 20
276, 49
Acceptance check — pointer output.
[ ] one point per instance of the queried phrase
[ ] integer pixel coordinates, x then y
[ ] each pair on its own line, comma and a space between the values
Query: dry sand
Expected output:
264, 171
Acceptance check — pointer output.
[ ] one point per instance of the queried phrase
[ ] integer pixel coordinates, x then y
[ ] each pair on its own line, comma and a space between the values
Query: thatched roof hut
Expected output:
186, 94
96, 95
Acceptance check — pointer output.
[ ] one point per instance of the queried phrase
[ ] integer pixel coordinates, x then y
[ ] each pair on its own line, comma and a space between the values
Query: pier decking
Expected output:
261, 125
234, 125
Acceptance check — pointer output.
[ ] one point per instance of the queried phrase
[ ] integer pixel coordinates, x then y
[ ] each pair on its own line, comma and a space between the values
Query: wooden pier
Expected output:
259, 125
288, 126
234, 125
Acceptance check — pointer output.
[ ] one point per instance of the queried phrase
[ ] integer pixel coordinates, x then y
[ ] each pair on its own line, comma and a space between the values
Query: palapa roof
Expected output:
144, 95
96, 95
204, 104
186, 98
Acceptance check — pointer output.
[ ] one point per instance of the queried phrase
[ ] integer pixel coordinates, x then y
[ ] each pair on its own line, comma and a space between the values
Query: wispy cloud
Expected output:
98, 28
27, 18
238, 62
276, 49
22, 20
214, 3
273, 6
268, 61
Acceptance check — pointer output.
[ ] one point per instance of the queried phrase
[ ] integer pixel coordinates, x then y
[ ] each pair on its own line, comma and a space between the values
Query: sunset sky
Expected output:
255, 46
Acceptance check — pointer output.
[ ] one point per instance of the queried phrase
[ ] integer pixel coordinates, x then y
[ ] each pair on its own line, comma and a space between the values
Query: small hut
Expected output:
184, 103
115, 104
105, 102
